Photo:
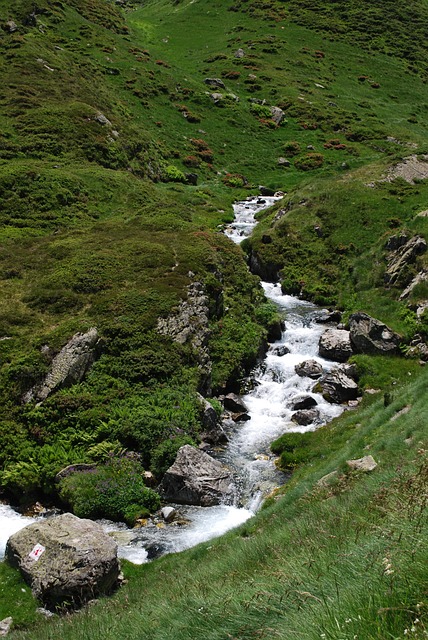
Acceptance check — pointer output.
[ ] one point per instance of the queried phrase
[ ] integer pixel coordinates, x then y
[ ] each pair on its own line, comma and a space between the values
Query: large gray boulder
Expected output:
371, 336
215, 82
68, 367
337, 387
65, 560
309, 368
367, 463
196, 478
277, 115
335, 344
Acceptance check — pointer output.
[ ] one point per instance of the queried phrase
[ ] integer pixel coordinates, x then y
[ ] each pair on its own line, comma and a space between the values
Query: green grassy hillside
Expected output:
106, 114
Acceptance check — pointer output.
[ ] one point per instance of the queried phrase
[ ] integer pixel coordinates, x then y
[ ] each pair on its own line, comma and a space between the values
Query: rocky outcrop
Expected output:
216, 97
335, 344
190, 325
10, 26
5, 626
337, 387
422, 276
196, 478
68, 367
65, 559
399, 260
418, 349
265, 270
302, 402
410, 169
309, 369
305, 417
370, 336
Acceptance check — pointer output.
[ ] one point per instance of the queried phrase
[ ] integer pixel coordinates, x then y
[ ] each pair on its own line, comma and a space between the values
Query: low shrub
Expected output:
172, 174
199, 143
235, 180
261, 110
309, 161
192, 161
115, 490
231, 75
291, 148
206, 155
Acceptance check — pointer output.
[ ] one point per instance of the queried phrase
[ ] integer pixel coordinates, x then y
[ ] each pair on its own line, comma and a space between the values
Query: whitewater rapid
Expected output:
247, 453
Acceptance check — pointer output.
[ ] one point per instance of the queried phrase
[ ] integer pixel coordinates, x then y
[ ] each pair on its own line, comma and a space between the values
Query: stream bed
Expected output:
247, 454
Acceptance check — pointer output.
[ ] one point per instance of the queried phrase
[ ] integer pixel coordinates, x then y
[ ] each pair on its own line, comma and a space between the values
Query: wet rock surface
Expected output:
305, 417
303, 402
233, 402
309, 368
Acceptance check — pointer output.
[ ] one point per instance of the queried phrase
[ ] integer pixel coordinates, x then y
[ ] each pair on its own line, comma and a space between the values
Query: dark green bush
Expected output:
309, 161
115, 491
291, 148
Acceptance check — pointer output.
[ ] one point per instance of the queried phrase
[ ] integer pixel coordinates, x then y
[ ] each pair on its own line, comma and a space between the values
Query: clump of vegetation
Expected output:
173, 174
165, 453
309, 161
291, 148
293, 450
114, 490
192, 161
235, 180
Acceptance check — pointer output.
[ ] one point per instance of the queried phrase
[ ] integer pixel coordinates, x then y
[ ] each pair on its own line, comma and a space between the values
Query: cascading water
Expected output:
247, 453
10, 523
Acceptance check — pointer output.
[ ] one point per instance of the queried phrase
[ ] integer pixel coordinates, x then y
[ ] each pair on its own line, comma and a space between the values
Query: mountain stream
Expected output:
247, 453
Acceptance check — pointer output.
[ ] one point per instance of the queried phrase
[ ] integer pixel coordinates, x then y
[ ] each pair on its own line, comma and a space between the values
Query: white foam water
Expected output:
10, 522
